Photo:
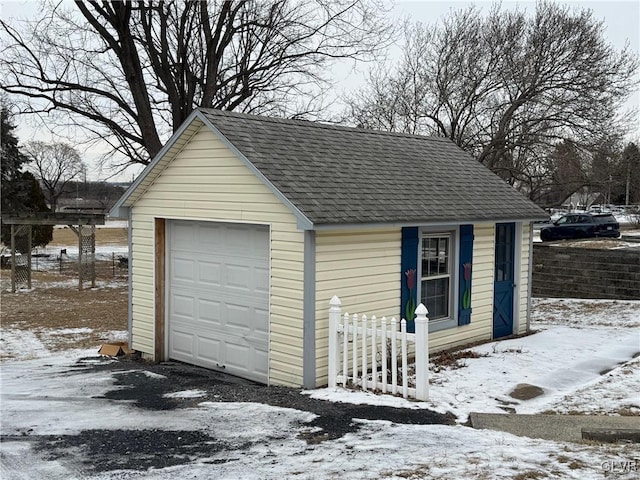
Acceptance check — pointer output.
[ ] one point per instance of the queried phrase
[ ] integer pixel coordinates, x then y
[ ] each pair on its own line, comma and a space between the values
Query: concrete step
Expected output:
563, 428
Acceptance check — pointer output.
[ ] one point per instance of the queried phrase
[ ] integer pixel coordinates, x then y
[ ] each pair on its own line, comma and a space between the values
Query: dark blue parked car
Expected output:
581, 225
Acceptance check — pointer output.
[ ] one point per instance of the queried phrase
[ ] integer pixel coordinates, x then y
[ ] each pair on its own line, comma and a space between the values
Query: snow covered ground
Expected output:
577, 341
582, 358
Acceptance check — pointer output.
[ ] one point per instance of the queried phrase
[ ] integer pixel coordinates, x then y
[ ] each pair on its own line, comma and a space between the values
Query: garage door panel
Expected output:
261, 362
259, 246
183, 306
256, 342
219, 295
261, 280
239, 239
182, 233
183, 342
240, 358
210, 312
210, 236
238, 317
184, 269
229, 272
209, 350
236, 356
238, 277
209, 272
243, 321
262, 322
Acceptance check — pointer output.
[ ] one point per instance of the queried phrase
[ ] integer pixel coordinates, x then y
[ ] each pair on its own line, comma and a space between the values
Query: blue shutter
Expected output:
408, 262
464, 285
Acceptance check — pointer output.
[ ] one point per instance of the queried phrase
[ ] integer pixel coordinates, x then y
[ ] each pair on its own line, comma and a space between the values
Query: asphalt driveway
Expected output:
151, 387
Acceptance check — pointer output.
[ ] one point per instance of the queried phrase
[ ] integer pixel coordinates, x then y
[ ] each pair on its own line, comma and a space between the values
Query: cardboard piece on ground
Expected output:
115, 349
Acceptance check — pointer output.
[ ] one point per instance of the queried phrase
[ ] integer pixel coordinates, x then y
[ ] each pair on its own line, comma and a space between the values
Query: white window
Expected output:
436, 284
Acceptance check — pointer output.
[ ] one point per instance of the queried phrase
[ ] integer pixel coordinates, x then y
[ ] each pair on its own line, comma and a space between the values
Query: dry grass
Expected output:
104, 236
453, 359
55, 303
415, 473
48, 308
572, 463
530, 475
630, 411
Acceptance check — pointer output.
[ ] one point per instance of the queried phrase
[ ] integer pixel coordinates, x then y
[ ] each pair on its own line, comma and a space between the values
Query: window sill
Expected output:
442, 324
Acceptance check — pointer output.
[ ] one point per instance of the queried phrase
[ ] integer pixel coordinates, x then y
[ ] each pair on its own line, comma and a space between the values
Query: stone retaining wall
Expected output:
586, 273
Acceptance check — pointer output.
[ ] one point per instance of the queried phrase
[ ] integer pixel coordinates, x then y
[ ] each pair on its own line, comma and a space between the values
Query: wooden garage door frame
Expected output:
160, 227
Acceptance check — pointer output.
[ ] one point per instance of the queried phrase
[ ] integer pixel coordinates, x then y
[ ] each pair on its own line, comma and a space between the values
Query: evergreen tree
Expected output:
21, 191
631, 165
13, 195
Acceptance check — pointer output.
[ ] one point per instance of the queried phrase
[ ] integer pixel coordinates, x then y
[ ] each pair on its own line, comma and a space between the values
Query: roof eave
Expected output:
424, 223
119, 212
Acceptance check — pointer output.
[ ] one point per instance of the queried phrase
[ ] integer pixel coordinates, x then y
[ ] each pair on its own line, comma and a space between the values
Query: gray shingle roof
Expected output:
342, 175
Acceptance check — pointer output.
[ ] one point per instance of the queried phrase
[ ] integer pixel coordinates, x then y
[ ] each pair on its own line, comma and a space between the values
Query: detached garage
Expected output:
243, 227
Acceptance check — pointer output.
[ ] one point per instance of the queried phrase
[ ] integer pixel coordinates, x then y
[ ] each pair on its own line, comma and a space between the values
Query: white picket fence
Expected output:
361, 350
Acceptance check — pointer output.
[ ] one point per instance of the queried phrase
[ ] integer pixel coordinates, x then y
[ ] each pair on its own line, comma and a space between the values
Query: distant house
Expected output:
243, 227
582, 199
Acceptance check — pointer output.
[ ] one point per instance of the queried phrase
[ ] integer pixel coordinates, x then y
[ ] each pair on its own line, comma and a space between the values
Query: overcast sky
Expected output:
621, 18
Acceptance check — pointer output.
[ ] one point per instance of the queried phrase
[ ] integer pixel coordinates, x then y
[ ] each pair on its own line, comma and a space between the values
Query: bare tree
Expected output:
506, 86
54, 165
130, 72
615, 172
441, 85
563, 172
561, 79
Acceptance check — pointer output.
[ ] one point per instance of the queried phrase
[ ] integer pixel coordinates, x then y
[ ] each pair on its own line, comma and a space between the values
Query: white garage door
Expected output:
219, 296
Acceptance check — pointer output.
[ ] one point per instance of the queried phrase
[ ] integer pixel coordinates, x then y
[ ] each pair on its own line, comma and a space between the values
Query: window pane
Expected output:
435, 256
435, 295
504, 253
443, 256
429, 257
432, 267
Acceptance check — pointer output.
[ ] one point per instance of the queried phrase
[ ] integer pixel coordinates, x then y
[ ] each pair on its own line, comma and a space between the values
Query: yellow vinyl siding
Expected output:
205, 181
368, 281
176, 146
481, 326
524, 279
143, 291
361, 267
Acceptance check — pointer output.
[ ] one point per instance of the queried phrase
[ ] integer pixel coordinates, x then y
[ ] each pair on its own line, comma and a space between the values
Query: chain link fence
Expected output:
106, 266
72, 254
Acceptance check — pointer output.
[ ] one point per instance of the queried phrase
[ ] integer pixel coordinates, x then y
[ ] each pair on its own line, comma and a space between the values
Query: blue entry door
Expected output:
504, 275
